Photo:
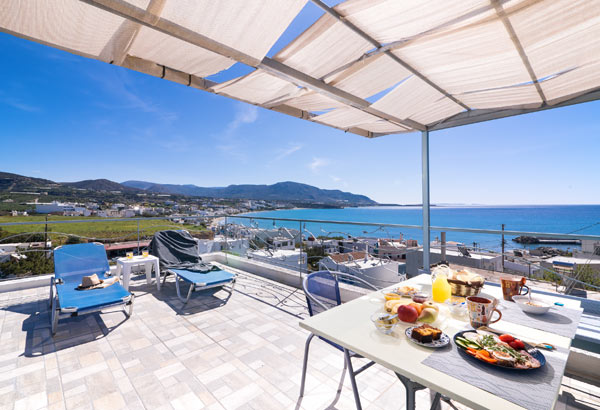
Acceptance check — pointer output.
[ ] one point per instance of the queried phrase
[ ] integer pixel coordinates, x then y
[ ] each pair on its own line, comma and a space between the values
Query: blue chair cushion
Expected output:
70, 297
211, 278
76, 261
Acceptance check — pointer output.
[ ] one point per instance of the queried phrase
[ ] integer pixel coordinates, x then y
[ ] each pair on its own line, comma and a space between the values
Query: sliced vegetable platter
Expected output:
504, 352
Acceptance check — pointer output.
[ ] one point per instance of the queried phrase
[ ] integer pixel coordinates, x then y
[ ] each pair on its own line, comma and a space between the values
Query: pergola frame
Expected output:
151, 18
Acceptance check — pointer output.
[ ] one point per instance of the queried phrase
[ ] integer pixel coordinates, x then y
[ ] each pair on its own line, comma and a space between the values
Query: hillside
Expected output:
99, 185
15, 182
281, 191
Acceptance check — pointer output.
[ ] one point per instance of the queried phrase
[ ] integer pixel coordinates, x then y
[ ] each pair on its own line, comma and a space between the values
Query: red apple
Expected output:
407, 313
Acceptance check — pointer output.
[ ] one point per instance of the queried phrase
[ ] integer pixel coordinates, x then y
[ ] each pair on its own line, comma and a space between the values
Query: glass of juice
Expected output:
145, 254
129, 255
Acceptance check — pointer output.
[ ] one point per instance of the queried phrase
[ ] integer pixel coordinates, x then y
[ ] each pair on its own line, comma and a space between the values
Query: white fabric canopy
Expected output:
371, 67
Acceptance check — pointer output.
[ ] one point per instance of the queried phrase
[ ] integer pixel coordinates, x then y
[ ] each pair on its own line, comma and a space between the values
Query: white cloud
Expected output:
289, 151
18, 104
339, 181
318, 163
245, 114
176, 143
119, 83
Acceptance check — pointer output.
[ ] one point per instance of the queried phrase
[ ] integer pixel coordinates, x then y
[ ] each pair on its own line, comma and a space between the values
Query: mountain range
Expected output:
282, 191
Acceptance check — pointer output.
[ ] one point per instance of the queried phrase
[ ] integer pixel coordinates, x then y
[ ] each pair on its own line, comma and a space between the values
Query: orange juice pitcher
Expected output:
440, 288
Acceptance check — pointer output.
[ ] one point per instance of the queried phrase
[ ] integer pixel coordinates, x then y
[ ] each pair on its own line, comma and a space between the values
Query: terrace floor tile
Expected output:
217, 353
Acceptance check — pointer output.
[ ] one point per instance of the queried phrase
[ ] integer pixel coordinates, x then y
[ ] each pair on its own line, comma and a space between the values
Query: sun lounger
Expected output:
179, 256
201, 281
71, 264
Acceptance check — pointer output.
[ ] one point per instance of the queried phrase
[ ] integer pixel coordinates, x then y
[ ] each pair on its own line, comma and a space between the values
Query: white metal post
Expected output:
425, 189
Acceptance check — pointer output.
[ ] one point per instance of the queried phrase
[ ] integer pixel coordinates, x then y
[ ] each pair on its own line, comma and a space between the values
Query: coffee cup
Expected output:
481, 310
513, 287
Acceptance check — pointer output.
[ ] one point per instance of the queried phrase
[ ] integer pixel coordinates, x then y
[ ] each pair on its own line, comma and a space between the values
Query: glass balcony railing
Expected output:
381, 253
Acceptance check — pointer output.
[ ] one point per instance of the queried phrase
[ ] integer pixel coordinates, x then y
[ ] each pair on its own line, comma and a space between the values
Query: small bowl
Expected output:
420, 297
457, 306
538, 307
384, 322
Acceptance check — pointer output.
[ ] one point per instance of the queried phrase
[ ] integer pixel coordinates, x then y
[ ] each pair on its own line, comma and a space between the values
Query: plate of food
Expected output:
426, 335
400, 292
504, 351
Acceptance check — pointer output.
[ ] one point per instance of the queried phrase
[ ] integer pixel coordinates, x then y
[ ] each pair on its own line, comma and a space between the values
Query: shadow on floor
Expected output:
200, 301
71, 331
572, 402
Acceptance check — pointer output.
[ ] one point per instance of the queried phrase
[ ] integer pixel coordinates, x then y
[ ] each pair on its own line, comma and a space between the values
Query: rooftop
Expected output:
244, 352
348, 256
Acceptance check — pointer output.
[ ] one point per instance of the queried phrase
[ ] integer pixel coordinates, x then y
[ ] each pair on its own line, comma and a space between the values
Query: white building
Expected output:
220, 243
391, 249
127, 213
570, 263
479, 260
589, 248
53, 207
10, 250
77, 211
378, 272
286, 258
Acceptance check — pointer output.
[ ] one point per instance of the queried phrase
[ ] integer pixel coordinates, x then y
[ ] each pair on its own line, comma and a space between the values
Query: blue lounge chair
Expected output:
201, 281
71, 264
178, 253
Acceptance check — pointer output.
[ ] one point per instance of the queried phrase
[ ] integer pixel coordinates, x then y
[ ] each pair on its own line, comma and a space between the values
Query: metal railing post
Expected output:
443, 238
138, 236
300, 257
503, 243
425, 191
226, 241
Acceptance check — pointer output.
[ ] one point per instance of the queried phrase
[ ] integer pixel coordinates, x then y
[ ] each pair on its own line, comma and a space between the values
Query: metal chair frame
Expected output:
348, 355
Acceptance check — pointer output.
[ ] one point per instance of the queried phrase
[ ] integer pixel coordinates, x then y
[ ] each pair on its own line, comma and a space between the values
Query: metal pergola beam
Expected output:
141, 16
475, 116
157, 70
387, 52
291, 74
517, 43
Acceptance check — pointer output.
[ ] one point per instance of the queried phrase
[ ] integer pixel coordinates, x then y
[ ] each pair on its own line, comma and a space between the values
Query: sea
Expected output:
580, 219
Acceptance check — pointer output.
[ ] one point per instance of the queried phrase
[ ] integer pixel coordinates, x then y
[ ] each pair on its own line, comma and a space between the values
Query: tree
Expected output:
313, 256
36, 263
71, 240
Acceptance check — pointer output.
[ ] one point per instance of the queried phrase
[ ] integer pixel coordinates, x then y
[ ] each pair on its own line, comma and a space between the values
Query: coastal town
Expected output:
196, 210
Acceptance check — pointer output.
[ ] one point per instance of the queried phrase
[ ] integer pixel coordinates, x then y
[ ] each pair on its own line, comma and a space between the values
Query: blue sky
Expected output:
68, 118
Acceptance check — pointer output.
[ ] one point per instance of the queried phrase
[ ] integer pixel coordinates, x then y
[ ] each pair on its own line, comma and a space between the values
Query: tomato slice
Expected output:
517, 344
506, 338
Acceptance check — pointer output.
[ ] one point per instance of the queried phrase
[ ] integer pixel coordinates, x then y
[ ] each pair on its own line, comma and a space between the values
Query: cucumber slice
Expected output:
461, 342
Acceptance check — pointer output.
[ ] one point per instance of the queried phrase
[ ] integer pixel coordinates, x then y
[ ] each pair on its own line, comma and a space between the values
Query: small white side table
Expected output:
124, 268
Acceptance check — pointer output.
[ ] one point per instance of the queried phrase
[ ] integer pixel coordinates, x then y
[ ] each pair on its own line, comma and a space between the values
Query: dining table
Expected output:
350, 326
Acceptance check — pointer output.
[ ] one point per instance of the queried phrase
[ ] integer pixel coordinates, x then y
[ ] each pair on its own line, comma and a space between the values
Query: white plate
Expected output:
441, 342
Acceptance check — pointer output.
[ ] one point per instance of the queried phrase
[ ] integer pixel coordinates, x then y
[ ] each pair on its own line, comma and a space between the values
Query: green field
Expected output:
110, 230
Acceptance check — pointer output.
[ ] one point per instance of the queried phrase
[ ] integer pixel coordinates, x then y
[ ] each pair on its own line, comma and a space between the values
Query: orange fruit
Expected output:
417, 306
